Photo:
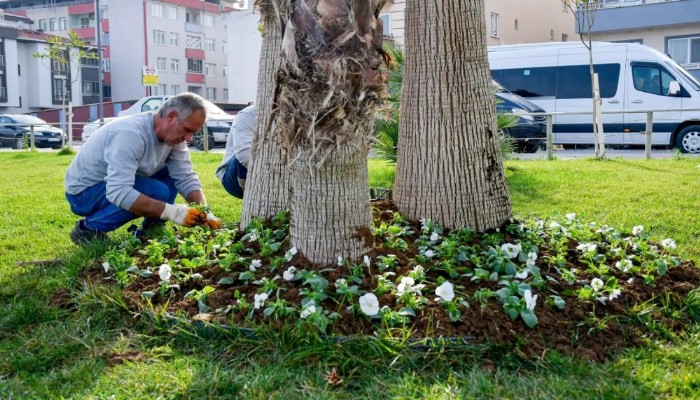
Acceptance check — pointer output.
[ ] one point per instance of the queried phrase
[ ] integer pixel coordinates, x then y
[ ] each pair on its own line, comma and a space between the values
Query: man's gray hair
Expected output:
184, 104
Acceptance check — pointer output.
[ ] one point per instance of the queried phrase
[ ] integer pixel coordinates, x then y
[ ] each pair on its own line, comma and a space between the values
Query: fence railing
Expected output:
648, 132
627, 3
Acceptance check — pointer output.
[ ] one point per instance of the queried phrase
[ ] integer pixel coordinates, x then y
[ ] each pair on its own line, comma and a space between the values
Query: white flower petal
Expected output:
165, 272
369, 304
445, 291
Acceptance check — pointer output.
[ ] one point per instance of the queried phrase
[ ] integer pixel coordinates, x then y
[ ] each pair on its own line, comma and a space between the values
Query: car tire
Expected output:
688, 139
527, 147
19, 143
198, 140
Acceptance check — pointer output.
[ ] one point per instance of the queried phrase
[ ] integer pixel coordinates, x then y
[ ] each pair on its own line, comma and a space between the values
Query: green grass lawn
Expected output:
64, 337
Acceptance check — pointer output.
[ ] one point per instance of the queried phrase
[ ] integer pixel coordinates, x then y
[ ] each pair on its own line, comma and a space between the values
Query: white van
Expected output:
632, 76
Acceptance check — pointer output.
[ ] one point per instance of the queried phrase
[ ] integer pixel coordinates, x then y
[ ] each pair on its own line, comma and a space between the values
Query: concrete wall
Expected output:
127, 49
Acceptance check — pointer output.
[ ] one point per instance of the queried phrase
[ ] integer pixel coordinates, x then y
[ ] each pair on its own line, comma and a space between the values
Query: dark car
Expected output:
530, 131
15, 132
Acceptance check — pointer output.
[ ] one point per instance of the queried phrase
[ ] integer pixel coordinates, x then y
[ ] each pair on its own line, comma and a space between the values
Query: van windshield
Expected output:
690, 78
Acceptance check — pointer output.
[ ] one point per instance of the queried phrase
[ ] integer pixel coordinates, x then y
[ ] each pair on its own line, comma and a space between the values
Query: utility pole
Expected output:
98, 31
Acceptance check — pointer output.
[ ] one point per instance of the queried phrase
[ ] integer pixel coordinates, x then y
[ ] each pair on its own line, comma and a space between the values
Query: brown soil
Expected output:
588, 330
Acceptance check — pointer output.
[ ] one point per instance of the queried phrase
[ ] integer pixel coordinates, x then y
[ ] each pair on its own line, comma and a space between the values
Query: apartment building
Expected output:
669, 26
507, 21
185, 40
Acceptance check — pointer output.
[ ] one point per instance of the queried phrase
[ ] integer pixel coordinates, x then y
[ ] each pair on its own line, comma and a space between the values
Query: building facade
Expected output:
669, 26
184, 40
507, 21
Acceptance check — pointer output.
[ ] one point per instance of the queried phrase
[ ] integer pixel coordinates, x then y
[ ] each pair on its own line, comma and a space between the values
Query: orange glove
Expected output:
183, 215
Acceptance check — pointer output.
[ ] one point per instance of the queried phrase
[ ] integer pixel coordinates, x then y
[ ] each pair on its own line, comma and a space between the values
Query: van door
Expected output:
574, 94
648, 89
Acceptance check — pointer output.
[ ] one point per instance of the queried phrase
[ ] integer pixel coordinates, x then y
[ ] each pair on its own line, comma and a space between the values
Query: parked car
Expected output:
217, 126
90, 127
15, 130
530, 131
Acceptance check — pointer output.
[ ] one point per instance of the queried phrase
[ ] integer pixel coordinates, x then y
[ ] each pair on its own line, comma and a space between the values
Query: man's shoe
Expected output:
81, 235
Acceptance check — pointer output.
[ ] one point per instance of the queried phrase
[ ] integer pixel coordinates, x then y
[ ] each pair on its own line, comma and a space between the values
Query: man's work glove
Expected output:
183, 215
213, 222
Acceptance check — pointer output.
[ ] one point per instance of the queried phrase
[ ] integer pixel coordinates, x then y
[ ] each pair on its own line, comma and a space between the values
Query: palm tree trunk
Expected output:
449, 167
267, 187
328, 88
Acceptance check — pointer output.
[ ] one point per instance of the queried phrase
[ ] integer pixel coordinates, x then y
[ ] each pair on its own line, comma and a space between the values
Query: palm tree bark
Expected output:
449, 166
267, 189
328, 88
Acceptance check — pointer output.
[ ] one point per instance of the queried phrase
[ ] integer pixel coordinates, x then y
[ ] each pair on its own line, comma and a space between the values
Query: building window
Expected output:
685, 50
194, 42
224, 70
494, 25
174, 39
158, 37
565, 5
84, 22
516, 24
52, 24
172, 13
386, 24
174, 89
174, 65
104, 13
551, 34
91, 88
210, 69
89, 62
157, 10
58, 93
42, 24
208, 20
62, 24
225, 94
564, 37
162, 89
209, 44
160, 63
224, 47
211, 93
106, 65
194, 66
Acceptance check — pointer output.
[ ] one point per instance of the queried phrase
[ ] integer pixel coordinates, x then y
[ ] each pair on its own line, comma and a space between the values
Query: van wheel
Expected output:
527, 147
198, 140
688, 140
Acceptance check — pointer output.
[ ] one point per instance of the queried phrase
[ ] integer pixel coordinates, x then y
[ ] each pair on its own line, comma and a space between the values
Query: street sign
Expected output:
150, 76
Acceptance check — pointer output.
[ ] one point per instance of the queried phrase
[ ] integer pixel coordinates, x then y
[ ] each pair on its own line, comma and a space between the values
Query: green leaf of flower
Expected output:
226, 281
529, 318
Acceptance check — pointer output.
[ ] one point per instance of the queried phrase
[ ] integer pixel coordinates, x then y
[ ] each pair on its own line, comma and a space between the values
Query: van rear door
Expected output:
648, 89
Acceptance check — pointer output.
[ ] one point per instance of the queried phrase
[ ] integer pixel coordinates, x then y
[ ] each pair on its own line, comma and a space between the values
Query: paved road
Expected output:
630, 153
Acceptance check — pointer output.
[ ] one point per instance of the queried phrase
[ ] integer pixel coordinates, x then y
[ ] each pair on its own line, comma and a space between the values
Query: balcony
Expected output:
197, 54
85, 8
191, 77
2, 60
195, 28
620, 15
86, 32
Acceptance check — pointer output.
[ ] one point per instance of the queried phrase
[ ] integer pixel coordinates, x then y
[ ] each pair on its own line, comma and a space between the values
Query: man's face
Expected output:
176, 132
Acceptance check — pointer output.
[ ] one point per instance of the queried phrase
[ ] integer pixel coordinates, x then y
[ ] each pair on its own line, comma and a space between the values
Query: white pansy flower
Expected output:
624, 265
571, 217
196, 276
512, 250
105, 265
434, 237
597, 284
340, 261
554, 225
522, 275
615, 294
165, 272
530, 300
289, 274
253, 236
368, 261
254, 265
259, 300
405, 285
668, 244
307, 311
586, 247
637, 230
445, 291
369, 304
429, 253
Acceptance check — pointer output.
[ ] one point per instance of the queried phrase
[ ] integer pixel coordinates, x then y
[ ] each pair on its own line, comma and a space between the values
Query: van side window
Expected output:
574, 81
651, 79
528, 82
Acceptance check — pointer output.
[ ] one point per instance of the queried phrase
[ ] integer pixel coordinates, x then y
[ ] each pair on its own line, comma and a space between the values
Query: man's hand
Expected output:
213, 222
183, 215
